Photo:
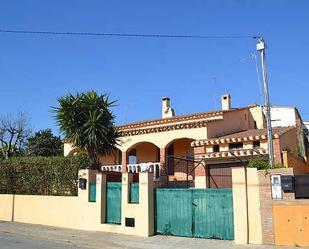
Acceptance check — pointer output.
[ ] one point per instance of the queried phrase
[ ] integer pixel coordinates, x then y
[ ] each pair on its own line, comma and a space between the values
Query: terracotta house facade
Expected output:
203, 147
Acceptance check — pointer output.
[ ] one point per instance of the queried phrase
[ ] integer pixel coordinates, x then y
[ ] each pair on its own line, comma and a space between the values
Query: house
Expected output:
202, 147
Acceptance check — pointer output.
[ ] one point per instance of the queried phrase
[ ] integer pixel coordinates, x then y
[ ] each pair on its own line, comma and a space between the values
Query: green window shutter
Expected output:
92, 192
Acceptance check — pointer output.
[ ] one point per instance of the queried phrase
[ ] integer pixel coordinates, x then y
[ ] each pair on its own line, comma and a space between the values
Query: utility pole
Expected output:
261, 47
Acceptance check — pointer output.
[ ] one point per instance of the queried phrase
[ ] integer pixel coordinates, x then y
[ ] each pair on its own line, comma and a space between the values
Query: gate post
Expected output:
90, 176
127, 178
246, 203
254, 207
146, 198
101, 195
240, 205
142, 212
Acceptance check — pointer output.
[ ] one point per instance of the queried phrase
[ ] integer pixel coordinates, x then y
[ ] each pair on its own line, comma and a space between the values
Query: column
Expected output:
163, 165
200, 170
124, 161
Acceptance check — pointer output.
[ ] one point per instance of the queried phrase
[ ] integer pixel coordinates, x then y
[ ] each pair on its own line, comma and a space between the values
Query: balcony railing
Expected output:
135, 168
238, 153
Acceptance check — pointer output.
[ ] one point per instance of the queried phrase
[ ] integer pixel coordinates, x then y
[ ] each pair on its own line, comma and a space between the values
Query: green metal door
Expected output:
213, 213
113, 202
203, 213
173, 209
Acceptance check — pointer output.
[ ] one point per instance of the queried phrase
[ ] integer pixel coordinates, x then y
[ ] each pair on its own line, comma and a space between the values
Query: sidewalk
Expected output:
85, 239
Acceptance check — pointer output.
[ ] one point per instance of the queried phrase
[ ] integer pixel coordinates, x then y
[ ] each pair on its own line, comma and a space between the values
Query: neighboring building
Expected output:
306, 123
173, 144
282, 116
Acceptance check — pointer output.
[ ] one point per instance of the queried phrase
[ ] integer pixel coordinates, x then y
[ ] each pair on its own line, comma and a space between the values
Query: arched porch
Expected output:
143, 156
180, 160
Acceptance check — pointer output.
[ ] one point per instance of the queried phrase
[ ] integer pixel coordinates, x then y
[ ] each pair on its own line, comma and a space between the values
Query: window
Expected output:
236, 146
216, 148
256, 144
132, 157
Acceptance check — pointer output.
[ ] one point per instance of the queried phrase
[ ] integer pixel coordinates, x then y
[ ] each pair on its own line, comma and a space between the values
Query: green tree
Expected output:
88, 123
44, 143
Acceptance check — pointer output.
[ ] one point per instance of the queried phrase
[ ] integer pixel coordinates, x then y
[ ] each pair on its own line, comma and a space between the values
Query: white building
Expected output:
284, 116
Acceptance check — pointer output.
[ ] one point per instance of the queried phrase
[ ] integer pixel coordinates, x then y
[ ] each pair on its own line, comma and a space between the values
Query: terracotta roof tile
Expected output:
257, 132
244, 135
180, 118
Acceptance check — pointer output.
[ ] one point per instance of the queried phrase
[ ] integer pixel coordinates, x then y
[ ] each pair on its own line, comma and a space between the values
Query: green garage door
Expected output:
203, 213
113, 202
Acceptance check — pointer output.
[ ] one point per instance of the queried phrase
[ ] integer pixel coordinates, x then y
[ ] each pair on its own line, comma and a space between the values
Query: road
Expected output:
25, 236
16, 241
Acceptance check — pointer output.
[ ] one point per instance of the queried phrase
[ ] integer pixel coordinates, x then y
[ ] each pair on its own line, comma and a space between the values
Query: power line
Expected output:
139, 35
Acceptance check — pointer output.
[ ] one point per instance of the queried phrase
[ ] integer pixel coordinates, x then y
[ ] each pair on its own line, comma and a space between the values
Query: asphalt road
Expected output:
16, 241
25, 236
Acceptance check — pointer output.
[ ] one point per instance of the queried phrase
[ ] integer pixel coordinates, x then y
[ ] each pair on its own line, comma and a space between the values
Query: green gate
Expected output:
113, 202
203, 213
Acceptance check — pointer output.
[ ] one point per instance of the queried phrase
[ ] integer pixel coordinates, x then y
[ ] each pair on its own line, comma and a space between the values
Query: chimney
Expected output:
226, 102
167, 111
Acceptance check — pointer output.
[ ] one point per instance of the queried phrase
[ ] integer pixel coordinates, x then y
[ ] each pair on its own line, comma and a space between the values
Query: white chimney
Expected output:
226, 102
167, 111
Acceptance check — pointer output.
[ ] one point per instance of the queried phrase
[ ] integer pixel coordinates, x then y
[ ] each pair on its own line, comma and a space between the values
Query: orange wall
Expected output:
182, 148
109, 159
291, 225
146, 152
288, 141
232, 122
299, 165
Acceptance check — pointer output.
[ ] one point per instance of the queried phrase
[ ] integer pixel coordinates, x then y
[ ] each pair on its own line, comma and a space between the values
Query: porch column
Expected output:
124, 162
163, 165
200, 170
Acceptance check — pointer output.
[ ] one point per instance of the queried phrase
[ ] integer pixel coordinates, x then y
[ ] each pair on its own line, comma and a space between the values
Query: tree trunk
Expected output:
7, 154
93, 158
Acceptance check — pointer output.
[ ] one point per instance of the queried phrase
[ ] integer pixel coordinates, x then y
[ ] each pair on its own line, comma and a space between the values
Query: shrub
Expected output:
263, 164
259, 164
41, 175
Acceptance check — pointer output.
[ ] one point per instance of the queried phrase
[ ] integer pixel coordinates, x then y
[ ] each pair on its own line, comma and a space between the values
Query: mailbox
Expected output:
287, 183
130, 222
82, 183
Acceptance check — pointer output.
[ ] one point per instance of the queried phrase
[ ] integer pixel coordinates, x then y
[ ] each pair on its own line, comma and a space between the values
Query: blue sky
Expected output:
36, 70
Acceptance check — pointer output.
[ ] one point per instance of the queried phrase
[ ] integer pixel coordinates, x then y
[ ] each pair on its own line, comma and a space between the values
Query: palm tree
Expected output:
88, 123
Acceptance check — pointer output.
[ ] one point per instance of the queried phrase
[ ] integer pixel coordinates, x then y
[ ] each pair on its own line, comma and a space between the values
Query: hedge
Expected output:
41, 175
262, 164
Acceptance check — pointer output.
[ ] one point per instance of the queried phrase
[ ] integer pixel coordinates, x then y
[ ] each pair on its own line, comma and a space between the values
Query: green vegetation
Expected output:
44, 143
87, 121
262, 164
41, 175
